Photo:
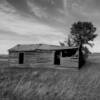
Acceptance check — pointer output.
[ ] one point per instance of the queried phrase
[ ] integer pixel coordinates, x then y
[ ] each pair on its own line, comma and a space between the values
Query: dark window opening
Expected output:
69, 52
64, 53
57, 58
21, 58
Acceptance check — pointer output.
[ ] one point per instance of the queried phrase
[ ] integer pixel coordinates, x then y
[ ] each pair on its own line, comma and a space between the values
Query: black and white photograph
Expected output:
49, 49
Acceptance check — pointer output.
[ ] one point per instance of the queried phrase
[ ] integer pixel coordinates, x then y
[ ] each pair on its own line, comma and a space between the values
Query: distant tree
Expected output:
61, 43
83, 34
67, 42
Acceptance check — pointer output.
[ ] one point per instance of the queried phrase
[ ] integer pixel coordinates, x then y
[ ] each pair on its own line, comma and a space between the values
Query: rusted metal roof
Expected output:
32, 47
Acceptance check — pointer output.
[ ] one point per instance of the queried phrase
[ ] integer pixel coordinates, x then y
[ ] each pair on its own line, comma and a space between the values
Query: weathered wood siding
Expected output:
69, 62
32, 58
13, 58
40, 59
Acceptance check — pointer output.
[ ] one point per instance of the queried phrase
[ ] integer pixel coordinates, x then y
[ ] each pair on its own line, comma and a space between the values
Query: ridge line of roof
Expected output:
32, 47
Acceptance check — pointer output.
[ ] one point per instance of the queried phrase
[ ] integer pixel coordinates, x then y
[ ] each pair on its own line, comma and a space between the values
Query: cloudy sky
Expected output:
44, 21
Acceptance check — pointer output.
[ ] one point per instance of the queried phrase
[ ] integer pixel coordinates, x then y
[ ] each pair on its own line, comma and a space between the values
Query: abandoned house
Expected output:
42, 55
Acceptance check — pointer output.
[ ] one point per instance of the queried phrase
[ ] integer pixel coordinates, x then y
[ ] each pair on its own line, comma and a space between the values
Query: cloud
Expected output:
38, 11
22, 27
16, 29
87, 7
20, 5
46, 21
65, 4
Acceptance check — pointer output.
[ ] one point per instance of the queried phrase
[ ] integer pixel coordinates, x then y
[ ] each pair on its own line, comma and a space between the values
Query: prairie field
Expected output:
50, 83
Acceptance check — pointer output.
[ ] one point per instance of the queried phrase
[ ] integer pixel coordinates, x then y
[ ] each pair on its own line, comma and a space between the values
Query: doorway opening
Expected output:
57, 58
21, 58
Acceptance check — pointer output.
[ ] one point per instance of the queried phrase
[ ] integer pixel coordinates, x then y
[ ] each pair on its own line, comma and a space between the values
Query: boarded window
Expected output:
21, 58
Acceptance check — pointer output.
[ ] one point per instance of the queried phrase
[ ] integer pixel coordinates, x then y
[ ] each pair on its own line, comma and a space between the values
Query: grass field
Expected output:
49, 83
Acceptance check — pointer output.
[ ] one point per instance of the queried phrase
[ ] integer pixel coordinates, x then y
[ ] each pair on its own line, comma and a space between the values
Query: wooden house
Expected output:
43, 55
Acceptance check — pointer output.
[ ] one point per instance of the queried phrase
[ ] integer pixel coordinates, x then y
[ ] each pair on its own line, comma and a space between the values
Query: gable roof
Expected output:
32, 47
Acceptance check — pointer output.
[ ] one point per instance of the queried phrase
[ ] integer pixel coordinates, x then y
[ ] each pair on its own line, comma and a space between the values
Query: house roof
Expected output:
32, 47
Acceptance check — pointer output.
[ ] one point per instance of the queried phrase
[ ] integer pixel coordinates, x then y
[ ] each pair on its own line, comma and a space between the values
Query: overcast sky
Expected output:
44, 21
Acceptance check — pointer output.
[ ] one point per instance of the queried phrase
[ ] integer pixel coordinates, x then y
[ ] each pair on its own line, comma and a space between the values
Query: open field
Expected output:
49, 83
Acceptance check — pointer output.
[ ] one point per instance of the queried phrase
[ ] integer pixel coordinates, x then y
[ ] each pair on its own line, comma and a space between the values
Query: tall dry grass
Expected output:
51, 84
